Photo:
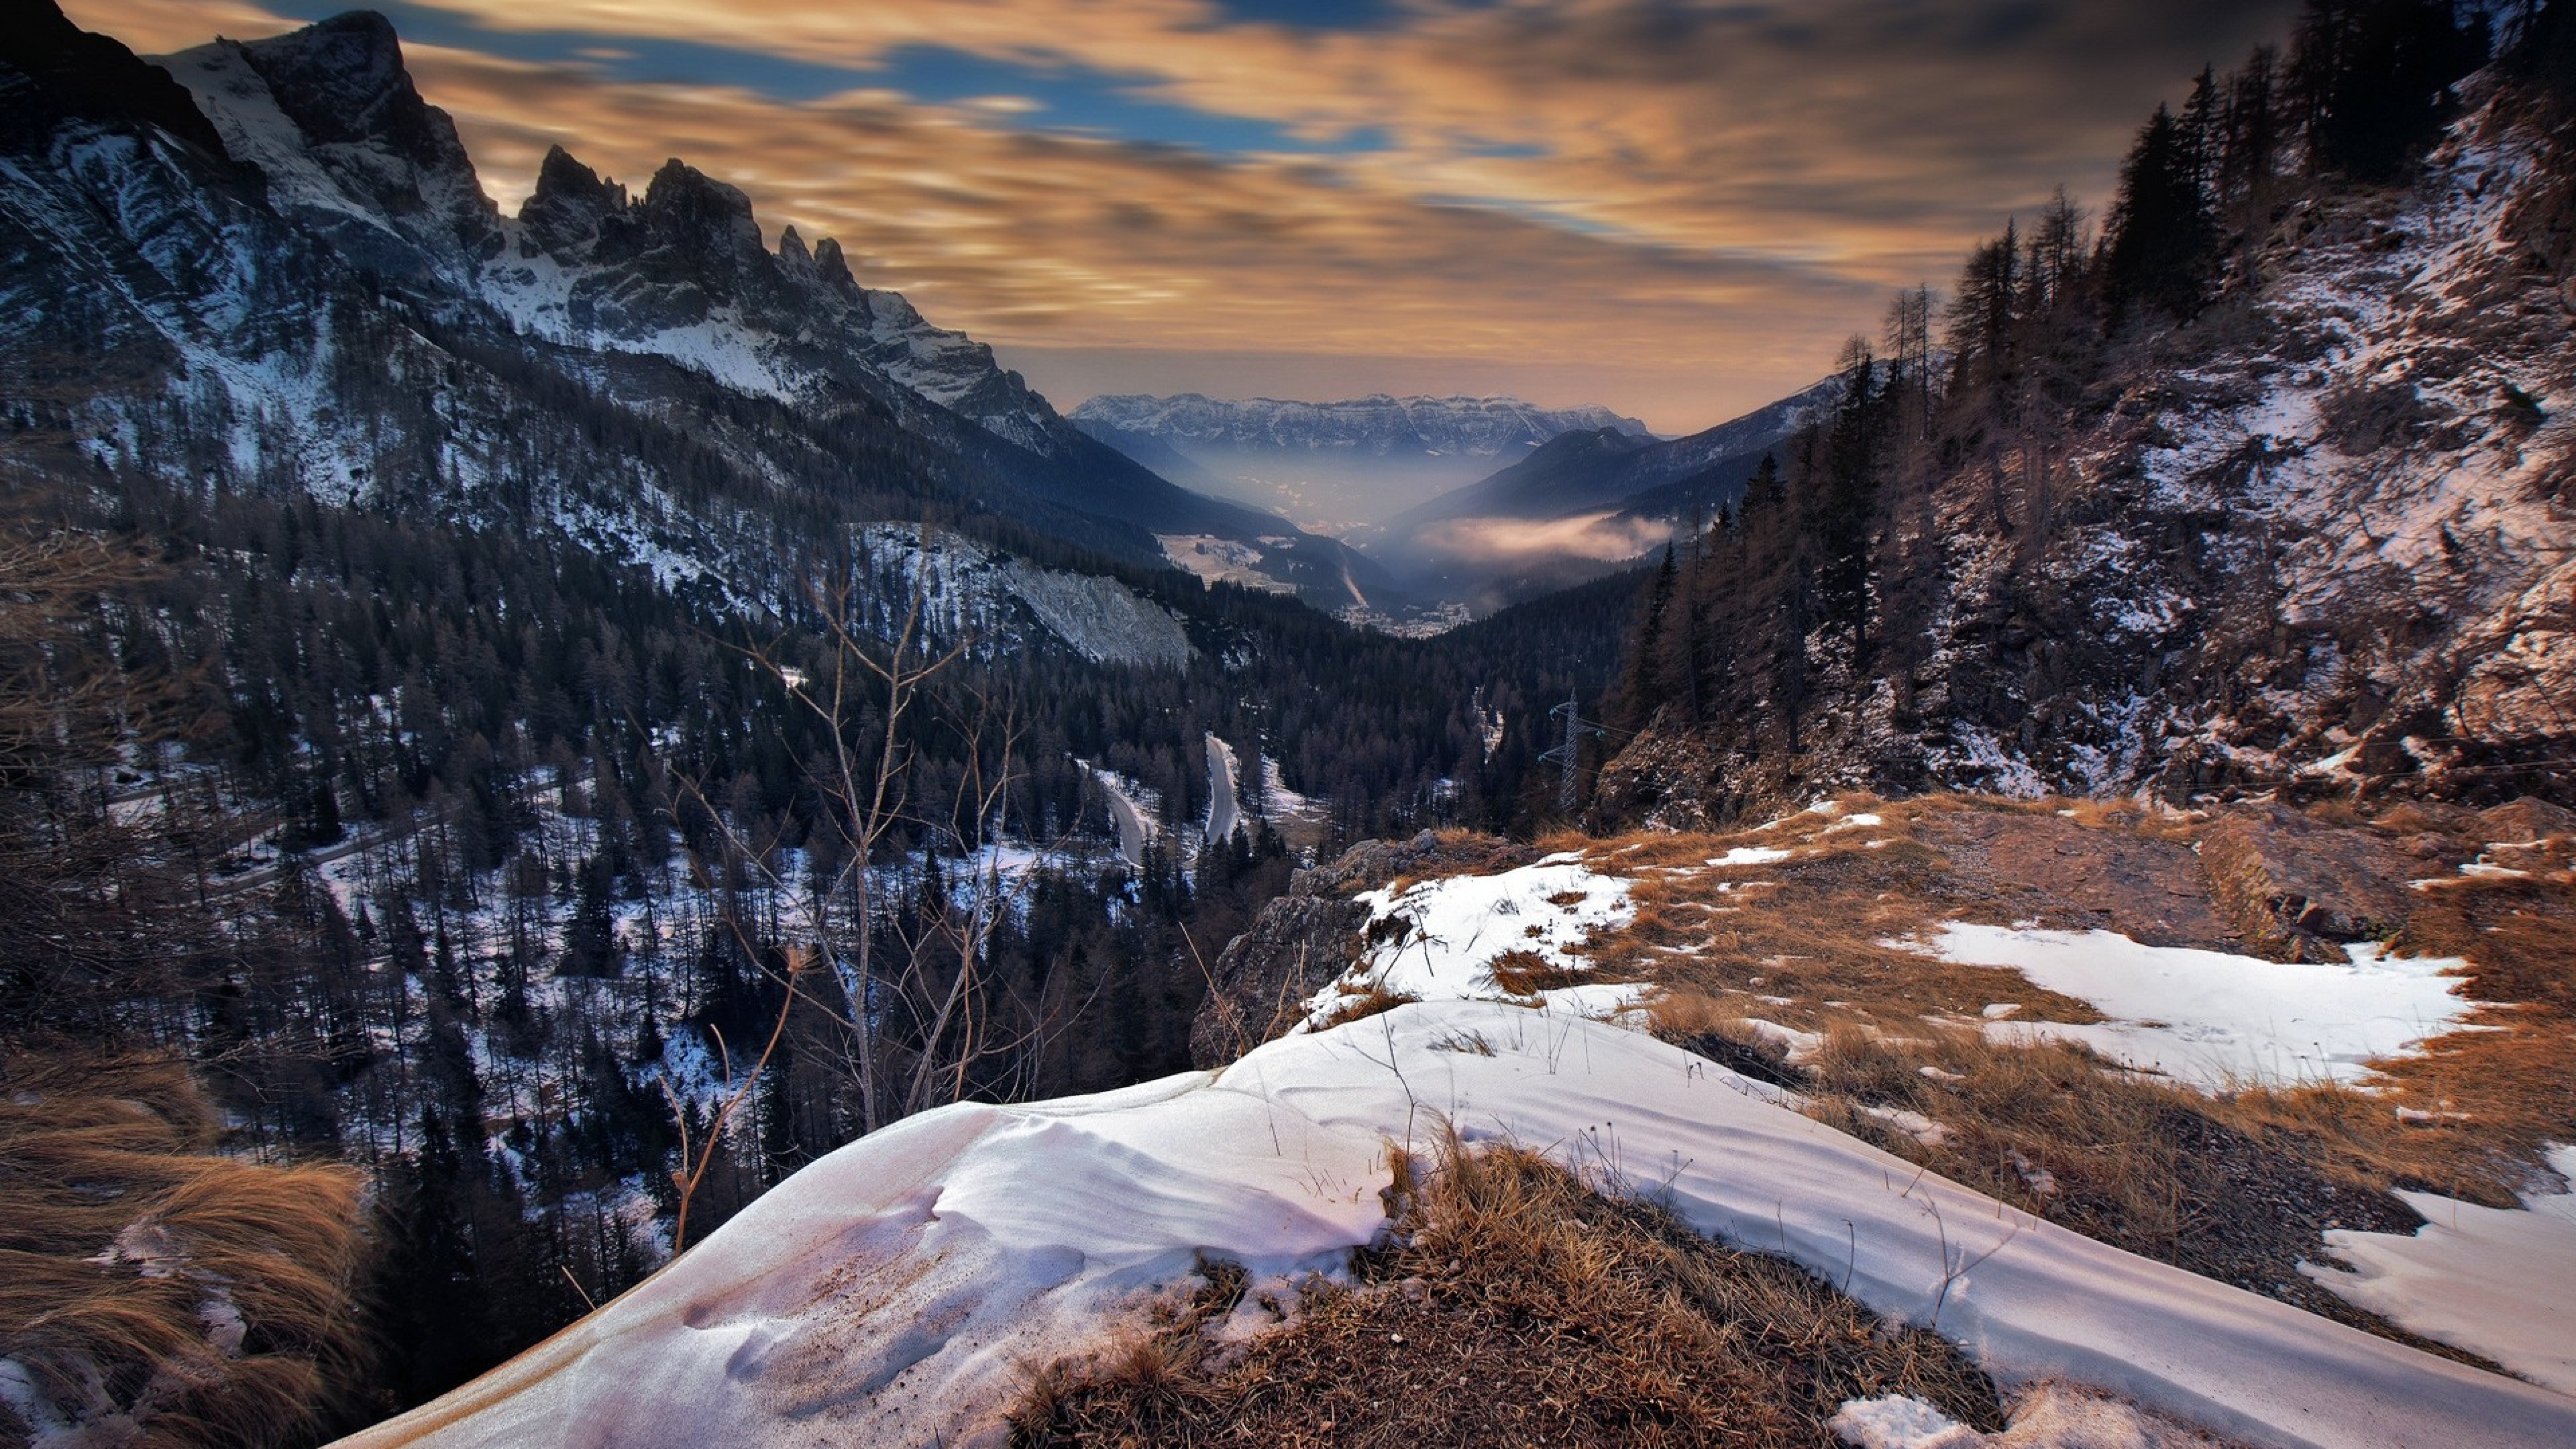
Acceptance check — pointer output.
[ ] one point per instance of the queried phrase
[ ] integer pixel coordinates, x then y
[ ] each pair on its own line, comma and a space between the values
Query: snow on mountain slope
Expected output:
348, 147
2324, 535
899, 1291
967, 591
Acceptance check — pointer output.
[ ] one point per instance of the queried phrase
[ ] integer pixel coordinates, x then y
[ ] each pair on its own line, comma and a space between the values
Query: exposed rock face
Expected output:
1303, 940
2301, 891
1668, 777
2149, 889
2527, 820
562, 217
350, 149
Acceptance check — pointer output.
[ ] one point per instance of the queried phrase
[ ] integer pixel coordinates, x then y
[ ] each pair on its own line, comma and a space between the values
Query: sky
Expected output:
1674, 208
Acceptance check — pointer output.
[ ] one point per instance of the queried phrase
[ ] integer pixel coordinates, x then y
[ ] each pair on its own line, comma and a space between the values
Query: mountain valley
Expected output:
607, 834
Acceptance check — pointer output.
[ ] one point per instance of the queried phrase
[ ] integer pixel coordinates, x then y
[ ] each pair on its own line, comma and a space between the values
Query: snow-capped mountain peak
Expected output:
330, 115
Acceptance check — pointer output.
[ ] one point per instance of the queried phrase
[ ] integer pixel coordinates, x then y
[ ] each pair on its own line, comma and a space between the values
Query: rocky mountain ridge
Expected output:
335, 218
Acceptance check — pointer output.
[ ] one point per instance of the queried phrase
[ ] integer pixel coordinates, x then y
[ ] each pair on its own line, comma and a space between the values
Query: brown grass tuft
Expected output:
1362, 1002
131, 1255
1527, 973
1518, 1305
2235, 1190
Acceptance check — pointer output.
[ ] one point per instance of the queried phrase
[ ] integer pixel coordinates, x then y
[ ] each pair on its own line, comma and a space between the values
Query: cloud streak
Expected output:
1672, 208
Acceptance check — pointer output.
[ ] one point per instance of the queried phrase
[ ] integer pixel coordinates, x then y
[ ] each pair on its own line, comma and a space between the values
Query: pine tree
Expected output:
2160, 249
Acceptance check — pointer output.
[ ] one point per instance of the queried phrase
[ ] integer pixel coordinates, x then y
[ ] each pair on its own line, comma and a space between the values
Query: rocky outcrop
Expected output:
2298, 890
350, 149
1306, 938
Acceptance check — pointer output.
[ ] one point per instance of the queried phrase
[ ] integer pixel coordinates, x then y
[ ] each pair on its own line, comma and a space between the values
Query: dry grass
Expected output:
2233, 1189
1812, 928
105, 1163
1527, 973
1360, 1002
2236, 1186
1518, 1305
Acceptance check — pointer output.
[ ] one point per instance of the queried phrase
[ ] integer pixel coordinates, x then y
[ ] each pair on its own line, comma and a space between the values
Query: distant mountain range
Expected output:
1475, 502
1580, 504
1376, 426
1333, 466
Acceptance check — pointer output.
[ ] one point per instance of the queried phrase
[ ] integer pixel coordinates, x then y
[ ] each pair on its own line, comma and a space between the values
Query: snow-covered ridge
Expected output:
1376, 425
896, 1292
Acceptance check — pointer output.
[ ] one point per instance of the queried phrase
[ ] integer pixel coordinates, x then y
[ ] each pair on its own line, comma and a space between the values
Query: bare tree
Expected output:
903, 996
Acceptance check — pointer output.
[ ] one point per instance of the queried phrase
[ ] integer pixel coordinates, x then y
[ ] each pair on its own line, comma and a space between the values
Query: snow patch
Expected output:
2212, 1020
1443, 938
2499, 1282
896, 1291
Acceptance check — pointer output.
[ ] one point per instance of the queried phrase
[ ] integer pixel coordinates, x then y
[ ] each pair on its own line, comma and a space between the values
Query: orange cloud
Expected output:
1673, 208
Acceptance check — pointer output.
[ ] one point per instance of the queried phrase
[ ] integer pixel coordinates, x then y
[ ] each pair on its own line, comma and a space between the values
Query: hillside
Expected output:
1862, 1107
2315, 537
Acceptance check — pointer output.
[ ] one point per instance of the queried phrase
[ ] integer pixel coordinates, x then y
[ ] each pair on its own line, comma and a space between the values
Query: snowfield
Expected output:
901, 1290
2497, 1281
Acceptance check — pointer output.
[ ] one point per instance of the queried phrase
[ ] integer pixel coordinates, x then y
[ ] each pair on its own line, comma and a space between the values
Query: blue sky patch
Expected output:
1066, 98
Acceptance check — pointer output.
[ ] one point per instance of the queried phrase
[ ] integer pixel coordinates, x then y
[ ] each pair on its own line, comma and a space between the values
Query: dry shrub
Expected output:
1518, 1305
1708, 1027
130, 1253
